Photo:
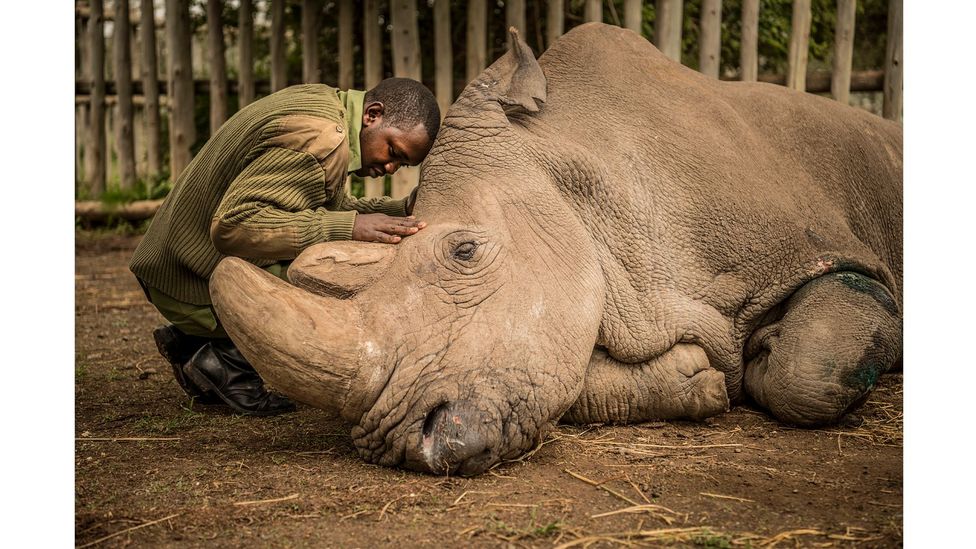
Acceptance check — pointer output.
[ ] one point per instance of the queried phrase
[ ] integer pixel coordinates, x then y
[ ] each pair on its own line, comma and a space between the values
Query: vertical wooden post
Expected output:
81, 136
406, 63
311, 72
111, 143
139, 140
749, 52
633, 15
667, 28
373, 67
150, 86
180, 90
95, 151
372, 44
83, 45
279, 74
554, 21
477, 35
245, 70
514, 17
218, 65
593, 11
840, 78
893, 63
710, 46
135, 62
443, 56
796, 73
346, 63
122, 53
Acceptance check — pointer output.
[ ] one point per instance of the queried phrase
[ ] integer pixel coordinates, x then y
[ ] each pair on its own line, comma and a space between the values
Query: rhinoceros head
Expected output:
460, 346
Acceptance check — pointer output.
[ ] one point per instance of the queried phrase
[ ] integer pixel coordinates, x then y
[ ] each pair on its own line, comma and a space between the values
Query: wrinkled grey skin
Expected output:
612, 238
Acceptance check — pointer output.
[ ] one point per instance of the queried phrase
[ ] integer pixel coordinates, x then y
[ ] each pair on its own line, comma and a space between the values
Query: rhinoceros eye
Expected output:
465, 251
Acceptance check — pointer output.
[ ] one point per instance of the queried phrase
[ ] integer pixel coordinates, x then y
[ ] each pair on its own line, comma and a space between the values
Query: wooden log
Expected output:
554, 21
593, 11
796, 72
893, 63
477, 39
667, 28
346, 61
840, 82
633, 15
93, 211
710, 45
150, 85
95, 151
122, 53
443, 56
180, 72
311, 71
279, 73
406, 64
749, 50
245, 48
514, 17
218, 65
373, 68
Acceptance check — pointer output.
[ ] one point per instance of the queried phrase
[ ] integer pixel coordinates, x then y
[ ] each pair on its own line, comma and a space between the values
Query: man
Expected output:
268, 184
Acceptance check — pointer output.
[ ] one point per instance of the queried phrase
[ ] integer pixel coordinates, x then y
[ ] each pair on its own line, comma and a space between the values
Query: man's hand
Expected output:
379, 227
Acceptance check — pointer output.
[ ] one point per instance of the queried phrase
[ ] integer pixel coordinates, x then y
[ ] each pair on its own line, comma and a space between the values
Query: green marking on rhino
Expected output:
862, 284
864, 376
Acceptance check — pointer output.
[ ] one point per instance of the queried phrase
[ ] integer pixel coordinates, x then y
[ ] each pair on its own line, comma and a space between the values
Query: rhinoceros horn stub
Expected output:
308, 346
340, 268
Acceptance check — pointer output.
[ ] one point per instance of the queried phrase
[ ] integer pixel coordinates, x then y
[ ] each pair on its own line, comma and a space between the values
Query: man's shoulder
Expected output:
316, 135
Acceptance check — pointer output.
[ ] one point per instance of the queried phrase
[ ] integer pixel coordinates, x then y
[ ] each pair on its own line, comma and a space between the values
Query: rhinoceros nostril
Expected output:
431, 419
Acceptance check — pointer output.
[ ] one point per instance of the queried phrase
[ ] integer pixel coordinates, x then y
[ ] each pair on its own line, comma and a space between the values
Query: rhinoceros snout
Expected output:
457, 439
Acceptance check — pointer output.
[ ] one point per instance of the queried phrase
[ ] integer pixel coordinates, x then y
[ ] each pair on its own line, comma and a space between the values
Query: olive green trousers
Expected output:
197, 320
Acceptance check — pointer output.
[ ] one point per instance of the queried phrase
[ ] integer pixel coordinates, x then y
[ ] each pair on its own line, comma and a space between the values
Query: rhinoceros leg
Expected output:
837, 334
676, 385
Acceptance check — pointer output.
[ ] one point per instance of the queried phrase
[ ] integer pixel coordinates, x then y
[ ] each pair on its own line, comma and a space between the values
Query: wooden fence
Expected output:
131, 102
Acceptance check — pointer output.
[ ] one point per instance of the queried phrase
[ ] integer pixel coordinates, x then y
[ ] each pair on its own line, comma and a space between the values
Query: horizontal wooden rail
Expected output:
817, 82
200, 86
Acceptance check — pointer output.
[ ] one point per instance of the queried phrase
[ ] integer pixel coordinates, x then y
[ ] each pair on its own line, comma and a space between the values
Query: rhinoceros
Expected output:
612, 237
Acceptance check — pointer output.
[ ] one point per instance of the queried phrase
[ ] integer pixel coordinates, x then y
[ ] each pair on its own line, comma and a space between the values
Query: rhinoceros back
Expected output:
735, 188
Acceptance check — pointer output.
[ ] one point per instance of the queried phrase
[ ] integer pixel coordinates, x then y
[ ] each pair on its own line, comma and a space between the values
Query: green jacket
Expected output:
268, 184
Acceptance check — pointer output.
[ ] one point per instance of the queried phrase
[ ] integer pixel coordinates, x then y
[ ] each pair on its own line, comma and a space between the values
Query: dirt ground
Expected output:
150, 471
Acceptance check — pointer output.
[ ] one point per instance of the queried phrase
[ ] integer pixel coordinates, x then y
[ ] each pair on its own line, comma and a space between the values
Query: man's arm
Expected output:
401, 207
273, 209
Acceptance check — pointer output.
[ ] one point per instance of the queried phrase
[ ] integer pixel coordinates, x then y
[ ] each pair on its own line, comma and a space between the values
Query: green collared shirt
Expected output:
353, 102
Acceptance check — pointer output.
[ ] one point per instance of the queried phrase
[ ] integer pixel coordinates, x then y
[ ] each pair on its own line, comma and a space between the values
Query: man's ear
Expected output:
373, 113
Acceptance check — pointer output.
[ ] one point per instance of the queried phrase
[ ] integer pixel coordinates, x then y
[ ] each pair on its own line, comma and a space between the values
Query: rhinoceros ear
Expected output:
516, 79
340, 269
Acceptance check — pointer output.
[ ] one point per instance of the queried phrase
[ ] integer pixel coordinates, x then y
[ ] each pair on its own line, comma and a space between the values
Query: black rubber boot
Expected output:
177, 348
220, 368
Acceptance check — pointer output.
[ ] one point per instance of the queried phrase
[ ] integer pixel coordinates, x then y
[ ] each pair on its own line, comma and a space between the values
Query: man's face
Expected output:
385, 148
